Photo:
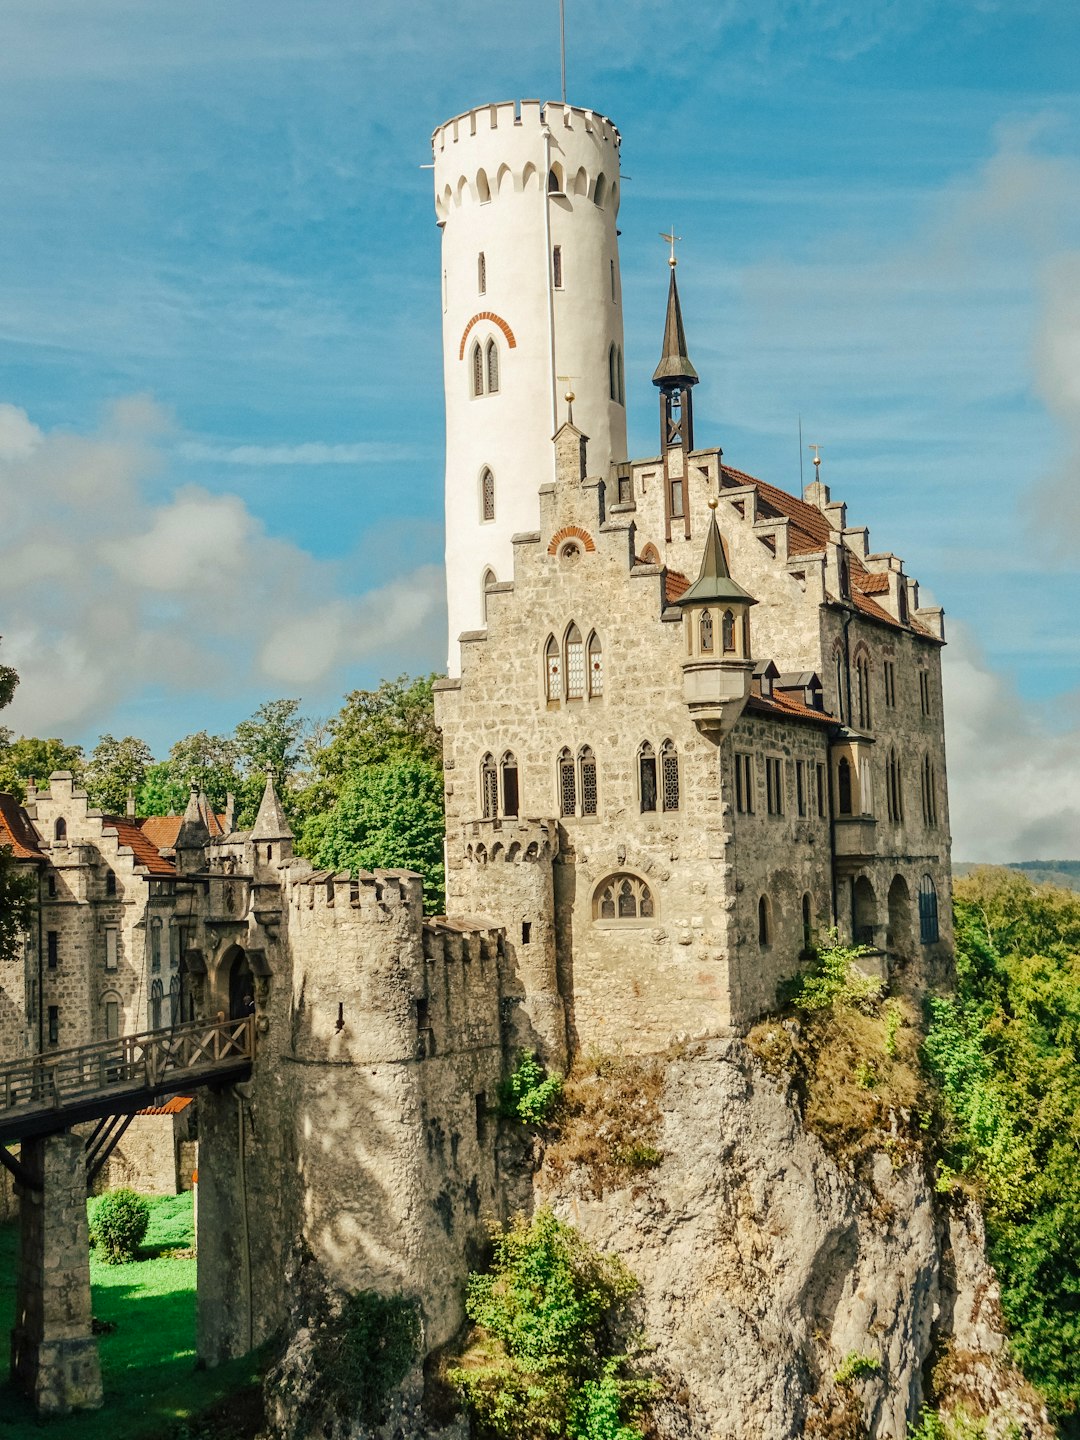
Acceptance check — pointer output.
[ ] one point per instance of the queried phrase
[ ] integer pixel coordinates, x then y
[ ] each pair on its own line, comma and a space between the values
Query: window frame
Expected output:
642, 893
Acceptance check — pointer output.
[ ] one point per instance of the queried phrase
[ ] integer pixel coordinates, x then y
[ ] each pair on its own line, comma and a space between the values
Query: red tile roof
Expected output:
17, 831
162, 830
871, 584
675, 584
142, 847
176, 1106
786, 707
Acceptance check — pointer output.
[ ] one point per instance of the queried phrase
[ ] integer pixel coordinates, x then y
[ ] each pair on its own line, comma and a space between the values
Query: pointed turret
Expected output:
193, 836
270, 822
716, 622
714, 582
674, 369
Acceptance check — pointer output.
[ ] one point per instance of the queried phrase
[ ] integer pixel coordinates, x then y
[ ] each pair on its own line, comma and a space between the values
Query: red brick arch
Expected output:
571, 532
495, 320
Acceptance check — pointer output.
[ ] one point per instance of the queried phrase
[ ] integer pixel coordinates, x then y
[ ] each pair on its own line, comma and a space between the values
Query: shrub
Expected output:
529, 1094
835, 979
118, 1225
363, 1353
855, 1367
546, 1357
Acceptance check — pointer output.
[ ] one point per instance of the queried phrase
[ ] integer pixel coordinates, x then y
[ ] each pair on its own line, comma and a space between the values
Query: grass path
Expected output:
148, 1362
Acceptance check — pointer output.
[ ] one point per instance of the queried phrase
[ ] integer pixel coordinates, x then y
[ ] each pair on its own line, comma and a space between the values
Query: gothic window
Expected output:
155, 944
705, 630
647, 777
596, 667
862, 691
481, 274
110, 882
575, 664
744, 783
485, 584
601, 189
509, 784
174, 1000
567, 784
843, 787
112, 1019
774, 784
587, 771
492, 368
556, 267
552, 669
477, 361
889, 677
622, 391
554, 183
489, 788
924, 691
929, 792
764, 921
487, 494
60, 829
623, 898
894, 795
928, 911
669, 775
613, 378
727, 631
157, 994
839, 667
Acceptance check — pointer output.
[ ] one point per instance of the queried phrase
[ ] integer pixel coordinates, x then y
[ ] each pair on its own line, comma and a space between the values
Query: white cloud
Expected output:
314, 452
107, 593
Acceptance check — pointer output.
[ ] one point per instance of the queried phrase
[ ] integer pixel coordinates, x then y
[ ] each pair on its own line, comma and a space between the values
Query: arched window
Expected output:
613, 374
807, 924
647, 777
489, 788
477, 370
487, 580
862, 691
155, 944
552, 669
174, 1000
492, 368
157, 994
110, 882
487, 494
567, 784
727, 631
928, 911
483, 189
510, 783
596, 666
601, 189
554, 181
705, 631
893, 792
481, 273
112, 1017
764, 921
843, 786
575, 664
839, 666
60, 829
623, 898
669, 775
587, 774
622, 392
929, 792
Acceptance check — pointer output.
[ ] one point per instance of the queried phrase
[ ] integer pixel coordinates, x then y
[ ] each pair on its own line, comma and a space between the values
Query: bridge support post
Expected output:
54, 1356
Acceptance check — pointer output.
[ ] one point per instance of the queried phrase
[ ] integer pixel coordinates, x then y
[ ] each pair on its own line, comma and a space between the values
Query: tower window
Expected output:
52, 941
60, 829
647, 777
705, 631
613, 374
929, 792
487, 494
669, 774
554, 181
894, 795
157, 995
567, 784
727, 632
618, 361
820, 787
112, 1019
54, 1024
485, 584
575, 664
51, 887
800, 786
677, 498
626, 489
155, 945
889, 676
489, 788
764, 911
924, 691
596, 667
552, 670
556, 267
587, 768
862, 691
111, 947
481, 274
492, 368
774, 785
110, 882
510, 784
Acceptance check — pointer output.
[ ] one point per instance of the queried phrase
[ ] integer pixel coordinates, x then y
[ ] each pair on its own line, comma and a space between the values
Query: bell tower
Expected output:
526, 197
675, 378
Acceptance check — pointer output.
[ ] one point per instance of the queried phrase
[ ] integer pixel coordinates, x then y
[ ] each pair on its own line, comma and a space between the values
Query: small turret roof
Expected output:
270, 822
714, 580
674, 362
194, 832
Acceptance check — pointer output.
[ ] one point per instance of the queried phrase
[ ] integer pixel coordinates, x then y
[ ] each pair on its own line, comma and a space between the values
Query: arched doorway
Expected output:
864, 916
900, 935
241, 986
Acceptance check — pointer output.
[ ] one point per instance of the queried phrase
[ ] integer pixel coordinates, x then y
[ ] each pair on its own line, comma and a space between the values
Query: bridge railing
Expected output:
152, 1060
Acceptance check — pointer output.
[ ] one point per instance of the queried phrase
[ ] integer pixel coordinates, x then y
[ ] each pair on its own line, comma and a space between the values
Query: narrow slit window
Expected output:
556, 267
510, 784
481, 273
487, 494
647, 777
677, 499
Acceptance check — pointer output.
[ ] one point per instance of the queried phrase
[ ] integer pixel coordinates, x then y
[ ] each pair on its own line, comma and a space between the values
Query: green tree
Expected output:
373, 726
114, 768
9, 679
209, 761
29, 758
388, 816
160, 792
272, 736
16, 882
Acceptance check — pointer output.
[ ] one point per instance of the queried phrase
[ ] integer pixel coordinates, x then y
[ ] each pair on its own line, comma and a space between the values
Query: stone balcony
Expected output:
855, 841
716, 692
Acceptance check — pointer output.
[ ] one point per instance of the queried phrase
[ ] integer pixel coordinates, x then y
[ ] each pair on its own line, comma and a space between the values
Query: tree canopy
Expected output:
16, 883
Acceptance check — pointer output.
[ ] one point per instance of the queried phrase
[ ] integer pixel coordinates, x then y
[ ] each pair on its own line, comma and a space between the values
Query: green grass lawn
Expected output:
148, 1361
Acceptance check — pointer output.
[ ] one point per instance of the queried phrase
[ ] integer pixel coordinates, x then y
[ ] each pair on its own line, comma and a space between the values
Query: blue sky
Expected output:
220, 385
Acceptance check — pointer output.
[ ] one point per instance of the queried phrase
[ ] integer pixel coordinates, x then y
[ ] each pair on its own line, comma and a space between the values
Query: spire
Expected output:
714, 580
674, 369
270, 823
193, 833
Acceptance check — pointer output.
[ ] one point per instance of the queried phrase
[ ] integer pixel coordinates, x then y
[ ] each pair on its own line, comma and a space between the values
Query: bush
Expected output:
529, 1095
118, 1225
363, 1353
856, 1367
834, 979
547, 1355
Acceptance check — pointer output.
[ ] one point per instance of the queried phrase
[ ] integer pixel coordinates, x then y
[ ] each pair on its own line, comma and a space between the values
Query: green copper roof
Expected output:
714, 581
674, 362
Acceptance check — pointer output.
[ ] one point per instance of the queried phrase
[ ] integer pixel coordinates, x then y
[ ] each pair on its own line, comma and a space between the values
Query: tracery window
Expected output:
587, 771
647, 777
492, 368
727, 631
669, 775
487, 493
510, 783
928, 911
552, 669
929, 792
862, 691
567, 784
575, 664
623, 898
596, 666
477, 359
489, 788
705, 630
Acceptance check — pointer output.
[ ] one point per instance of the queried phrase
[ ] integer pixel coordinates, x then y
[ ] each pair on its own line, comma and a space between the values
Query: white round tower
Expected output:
526, 197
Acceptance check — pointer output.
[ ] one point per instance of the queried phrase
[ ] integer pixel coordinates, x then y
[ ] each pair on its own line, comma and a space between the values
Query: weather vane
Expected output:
671, 239
817, 457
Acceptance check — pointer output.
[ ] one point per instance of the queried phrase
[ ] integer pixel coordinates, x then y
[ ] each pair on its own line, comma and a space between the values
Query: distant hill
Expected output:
1065, 873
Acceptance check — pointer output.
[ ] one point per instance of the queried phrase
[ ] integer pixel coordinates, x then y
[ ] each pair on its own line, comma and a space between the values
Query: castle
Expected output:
691, 721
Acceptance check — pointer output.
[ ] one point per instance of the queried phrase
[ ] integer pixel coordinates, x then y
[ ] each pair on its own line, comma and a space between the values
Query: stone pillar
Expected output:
54, 1356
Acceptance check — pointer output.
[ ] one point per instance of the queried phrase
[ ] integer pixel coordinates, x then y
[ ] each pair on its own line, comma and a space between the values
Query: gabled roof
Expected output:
17, 831
145, 852
162, 830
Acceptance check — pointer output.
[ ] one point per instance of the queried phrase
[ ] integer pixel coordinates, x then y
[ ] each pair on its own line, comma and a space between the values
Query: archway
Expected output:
864, 916
241, 995
899, 941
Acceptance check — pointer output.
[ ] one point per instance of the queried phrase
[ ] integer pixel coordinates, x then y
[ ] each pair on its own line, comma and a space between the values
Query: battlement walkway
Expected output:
45, 1094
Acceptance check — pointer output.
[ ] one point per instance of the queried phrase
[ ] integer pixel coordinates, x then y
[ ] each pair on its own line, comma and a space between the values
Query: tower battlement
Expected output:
509, 840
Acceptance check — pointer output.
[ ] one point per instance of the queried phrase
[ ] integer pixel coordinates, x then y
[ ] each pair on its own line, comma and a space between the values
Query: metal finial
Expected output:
671, 239
713, 502
817, 459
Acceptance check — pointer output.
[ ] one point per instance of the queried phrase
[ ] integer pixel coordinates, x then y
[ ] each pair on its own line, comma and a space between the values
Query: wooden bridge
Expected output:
112, 1079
